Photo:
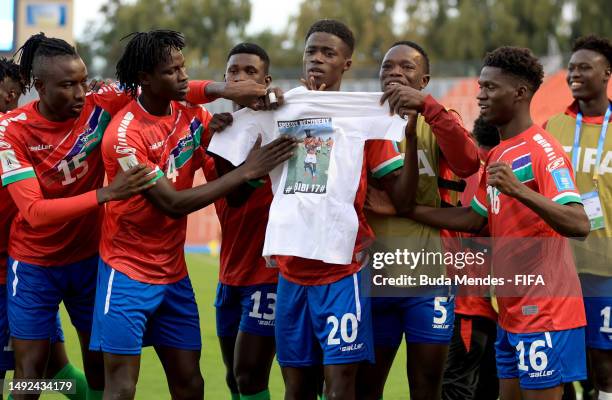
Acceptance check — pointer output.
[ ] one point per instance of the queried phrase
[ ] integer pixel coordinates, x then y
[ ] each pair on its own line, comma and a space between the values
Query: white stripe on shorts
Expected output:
109, 290
357, 301
14, 268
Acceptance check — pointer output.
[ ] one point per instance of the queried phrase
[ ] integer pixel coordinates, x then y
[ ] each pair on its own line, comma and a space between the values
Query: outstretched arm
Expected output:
40, 212
260, 161
461, 219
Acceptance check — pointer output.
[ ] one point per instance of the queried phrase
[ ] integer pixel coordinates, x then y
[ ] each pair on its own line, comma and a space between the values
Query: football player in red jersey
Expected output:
144, 295
246, 293
314, 296
58, 366
528, 191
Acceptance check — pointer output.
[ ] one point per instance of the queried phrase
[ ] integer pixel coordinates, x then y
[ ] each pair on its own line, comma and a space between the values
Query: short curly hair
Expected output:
518, 61
598, 44
251, 48
10, 69
335, 28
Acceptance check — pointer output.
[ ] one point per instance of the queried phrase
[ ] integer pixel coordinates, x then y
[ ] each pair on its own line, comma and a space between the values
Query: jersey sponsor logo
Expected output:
41, 147
9, 161
157, 145
563, 179
556, 163
124, 150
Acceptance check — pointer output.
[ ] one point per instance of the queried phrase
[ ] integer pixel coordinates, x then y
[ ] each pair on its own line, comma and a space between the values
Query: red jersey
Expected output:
243, 230
65, 159
475, 305
380, 158
7, 212
138, 239
538, 161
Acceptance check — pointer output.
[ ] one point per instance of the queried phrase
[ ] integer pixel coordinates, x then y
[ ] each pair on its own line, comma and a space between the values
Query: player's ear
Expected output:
39, 85
347, 64
144, 78
425, 80
522, 92
268, 80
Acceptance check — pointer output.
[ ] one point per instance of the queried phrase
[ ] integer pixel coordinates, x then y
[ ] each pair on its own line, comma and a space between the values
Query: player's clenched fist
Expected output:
127, 184
262, 160
501, 177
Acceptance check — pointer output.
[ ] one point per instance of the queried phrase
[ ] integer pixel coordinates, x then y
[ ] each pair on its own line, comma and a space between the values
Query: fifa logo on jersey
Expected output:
9, 161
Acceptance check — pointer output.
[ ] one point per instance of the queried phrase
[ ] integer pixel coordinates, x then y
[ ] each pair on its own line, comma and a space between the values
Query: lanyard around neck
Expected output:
600, 144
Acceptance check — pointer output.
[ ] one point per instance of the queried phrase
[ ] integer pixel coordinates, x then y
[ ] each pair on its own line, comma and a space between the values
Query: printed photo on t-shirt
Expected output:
307, 169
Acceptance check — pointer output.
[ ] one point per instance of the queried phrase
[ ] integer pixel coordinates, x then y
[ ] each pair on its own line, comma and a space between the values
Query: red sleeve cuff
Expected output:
197, 92
431, 108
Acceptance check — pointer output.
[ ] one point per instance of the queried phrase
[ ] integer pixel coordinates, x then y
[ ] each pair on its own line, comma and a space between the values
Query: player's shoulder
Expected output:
16, 122
542, 141
124, 124
546, 150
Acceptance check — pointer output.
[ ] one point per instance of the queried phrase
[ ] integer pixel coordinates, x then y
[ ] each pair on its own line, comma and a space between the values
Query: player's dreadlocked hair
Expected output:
251, 48
335, 28
143, 53
38, 46
9, 69
601, 45
418, 48
485, 134
519, 62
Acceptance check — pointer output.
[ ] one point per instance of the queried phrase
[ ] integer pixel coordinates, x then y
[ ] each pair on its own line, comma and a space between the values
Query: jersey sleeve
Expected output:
126, 149
111, 98
38, 211
480, 202
16, 165
553, 173
453, 139
197, 92
236, 141
382, 157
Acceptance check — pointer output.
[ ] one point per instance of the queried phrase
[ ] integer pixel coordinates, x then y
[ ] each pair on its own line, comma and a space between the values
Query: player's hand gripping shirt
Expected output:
312, 214
539, 162
138, 239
